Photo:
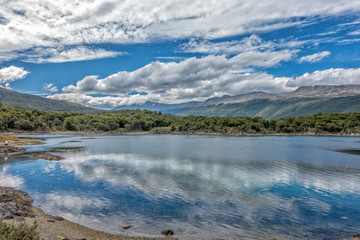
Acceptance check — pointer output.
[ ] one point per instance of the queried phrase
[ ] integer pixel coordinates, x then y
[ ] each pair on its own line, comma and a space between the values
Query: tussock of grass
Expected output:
9, 138
19, 232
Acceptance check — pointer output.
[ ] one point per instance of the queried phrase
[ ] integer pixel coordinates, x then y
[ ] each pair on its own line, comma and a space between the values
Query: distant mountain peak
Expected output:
312, 92
324, 91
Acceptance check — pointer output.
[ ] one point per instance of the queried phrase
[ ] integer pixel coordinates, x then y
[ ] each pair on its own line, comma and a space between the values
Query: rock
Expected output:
167, 232
15, 203
303, 234
51, 220
58, 218
357, 236
20, 219
11, 149
5, 214
46, 156
248, 220
127, 226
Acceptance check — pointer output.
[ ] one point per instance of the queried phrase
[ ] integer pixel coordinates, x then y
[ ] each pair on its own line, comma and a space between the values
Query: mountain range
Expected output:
303, 101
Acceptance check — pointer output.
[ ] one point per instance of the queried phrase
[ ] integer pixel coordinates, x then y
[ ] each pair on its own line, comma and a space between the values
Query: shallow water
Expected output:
206, 187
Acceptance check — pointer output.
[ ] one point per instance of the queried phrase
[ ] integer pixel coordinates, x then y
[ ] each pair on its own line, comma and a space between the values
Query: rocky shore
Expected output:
13, 142
15, 204
16, 207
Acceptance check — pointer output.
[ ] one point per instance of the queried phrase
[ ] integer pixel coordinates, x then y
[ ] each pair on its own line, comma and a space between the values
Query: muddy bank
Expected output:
9, 144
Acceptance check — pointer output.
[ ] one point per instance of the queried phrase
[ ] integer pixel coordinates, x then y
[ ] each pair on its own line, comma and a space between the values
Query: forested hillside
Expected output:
17, 118
28, 101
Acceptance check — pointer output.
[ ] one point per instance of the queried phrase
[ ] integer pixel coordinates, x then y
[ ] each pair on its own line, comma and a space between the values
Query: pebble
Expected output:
248, 220
20, 219
51, 220
167, 232
58, 218
127, 226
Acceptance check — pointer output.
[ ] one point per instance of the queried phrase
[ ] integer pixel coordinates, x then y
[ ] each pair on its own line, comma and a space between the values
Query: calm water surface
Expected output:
200, 186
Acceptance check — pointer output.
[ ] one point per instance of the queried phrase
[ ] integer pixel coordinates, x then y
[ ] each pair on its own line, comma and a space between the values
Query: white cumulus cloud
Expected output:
193, 79
191, 73
180, 87
50, 87
316, 57
12, 73
332, 76
8, 86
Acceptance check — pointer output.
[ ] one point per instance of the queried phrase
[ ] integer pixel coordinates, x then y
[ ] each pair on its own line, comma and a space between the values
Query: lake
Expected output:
202, 187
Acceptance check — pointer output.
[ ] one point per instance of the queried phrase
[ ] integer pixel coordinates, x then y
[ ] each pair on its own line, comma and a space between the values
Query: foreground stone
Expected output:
15, 204
167, 232
127, 226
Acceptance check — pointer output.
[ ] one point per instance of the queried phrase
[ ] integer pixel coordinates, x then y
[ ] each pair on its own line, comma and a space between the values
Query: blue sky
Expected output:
109, 53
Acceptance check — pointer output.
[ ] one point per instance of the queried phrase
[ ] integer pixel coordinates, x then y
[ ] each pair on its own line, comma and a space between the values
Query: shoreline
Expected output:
117, 133
50, 227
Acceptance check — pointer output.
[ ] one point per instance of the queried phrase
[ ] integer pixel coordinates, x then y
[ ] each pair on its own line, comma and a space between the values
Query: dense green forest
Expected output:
17, 118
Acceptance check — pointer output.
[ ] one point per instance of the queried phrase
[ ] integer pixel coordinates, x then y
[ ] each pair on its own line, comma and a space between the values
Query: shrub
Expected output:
21, 231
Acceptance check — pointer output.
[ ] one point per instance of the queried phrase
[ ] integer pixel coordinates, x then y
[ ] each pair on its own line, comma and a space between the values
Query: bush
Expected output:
20, 232
24, 125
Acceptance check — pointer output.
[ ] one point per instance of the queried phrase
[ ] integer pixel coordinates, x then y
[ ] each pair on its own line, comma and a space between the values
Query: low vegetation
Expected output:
19, 232
17, 118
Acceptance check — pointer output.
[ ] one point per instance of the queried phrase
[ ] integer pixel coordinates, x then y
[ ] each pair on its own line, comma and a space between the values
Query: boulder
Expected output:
15, 203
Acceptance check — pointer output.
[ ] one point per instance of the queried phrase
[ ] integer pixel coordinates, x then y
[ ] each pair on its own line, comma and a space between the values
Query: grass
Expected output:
9, 138
66, 149
19, 232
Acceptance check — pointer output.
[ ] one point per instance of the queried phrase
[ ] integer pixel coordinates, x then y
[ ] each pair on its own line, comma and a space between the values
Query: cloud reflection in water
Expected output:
188, 177
218, 188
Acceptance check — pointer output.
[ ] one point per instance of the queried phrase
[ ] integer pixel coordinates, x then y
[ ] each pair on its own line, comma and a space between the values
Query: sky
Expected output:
105, 54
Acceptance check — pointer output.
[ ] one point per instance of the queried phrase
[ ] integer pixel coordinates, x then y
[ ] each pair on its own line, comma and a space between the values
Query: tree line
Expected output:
17, 118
